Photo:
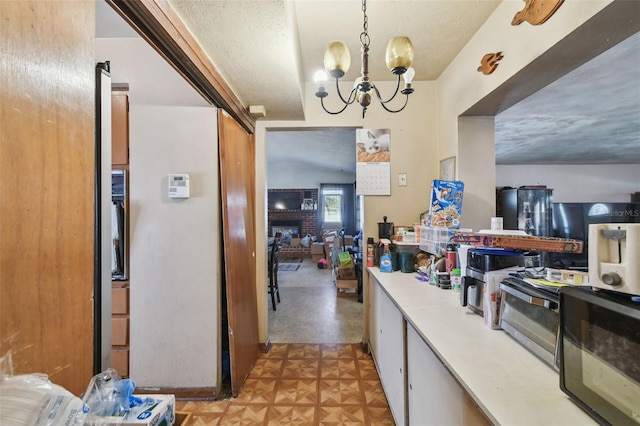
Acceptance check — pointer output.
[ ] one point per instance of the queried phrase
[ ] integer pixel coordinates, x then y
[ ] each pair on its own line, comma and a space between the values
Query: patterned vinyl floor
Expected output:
302, 384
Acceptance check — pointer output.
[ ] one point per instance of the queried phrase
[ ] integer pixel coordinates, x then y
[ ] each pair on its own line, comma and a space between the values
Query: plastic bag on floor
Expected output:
306, 241
31, 399
110, 396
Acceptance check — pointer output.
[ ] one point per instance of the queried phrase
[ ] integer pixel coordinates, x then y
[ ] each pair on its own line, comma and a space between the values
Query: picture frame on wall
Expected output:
448, 168
307, 204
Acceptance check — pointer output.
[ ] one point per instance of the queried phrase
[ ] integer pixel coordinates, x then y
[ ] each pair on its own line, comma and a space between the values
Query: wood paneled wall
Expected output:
47, 164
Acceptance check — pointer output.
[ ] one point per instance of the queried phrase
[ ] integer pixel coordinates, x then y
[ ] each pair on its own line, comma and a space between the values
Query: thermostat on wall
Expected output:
179, 186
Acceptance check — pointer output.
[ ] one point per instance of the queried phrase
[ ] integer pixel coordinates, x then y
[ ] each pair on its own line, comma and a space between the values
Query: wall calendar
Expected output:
373, 162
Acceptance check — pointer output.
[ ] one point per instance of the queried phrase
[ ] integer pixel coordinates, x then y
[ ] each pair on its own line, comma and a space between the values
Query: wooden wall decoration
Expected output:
536, 12
489, 62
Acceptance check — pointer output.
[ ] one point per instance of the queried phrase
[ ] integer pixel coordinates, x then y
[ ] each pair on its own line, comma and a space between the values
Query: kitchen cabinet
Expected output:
387, 331
433, 393
454, 369
120, 327
120, 128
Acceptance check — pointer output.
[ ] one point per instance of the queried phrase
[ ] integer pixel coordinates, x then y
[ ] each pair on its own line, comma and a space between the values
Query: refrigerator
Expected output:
572, 220
528, 209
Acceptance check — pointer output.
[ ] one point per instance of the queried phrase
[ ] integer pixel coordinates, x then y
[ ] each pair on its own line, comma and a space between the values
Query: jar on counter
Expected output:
456, 279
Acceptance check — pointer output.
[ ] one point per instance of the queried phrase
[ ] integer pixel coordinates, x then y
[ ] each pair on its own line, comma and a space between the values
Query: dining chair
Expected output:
274, 251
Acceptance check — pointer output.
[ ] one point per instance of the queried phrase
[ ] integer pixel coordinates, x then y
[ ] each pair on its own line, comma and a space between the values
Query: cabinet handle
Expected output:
410, 387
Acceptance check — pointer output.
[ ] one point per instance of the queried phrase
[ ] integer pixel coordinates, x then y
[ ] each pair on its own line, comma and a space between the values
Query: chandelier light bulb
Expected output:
320, 76
337, 60
408, 75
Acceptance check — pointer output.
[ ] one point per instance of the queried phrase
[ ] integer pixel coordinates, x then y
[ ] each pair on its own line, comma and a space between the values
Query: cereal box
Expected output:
445, 208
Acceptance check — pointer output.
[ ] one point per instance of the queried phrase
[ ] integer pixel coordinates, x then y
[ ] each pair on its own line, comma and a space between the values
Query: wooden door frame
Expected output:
159, 24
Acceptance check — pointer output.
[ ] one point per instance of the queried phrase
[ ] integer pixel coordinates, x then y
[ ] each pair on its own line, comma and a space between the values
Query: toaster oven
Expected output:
530, 314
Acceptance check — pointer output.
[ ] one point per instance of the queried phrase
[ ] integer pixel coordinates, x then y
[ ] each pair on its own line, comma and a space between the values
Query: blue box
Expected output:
445, 206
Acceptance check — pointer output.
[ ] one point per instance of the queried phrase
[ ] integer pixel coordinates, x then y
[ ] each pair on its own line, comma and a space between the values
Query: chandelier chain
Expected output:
364, 36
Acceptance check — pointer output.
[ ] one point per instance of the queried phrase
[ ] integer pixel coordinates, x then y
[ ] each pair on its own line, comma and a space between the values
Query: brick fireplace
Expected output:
304, 221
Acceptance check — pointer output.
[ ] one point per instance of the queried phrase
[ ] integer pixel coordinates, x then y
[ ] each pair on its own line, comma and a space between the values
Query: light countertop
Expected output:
510, 384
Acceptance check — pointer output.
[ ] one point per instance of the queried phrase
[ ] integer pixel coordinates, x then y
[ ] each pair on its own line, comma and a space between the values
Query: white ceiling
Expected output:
268, 49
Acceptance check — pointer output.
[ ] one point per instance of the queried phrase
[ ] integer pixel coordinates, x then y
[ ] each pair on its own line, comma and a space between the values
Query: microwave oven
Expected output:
600, 353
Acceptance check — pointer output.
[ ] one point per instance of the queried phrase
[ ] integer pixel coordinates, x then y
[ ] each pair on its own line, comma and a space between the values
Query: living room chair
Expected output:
273, 271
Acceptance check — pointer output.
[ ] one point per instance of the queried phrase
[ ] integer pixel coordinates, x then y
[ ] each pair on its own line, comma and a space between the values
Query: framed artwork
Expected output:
448, 168
307, 204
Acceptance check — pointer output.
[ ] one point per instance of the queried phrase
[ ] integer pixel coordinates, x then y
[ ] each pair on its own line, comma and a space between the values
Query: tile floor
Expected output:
302, 384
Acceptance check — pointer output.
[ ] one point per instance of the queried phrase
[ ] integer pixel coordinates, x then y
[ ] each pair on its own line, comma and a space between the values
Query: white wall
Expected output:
413, 136
175, 251
298, 176
461, 86
577, 183
429, 128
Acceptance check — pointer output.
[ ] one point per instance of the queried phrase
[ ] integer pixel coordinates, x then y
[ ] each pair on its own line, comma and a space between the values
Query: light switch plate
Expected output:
402, 179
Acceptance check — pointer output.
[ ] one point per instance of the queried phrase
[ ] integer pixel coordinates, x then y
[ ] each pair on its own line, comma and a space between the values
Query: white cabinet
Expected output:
435, 397
387, 331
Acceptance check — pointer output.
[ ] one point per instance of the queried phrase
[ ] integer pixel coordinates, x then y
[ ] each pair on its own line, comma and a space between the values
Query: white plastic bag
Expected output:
31, 399
306, 241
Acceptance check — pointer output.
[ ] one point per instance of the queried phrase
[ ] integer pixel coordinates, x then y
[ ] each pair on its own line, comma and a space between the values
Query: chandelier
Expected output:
337, 59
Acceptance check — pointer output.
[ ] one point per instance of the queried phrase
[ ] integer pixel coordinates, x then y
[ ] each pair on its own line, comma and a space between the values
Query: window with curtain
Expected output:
337, 206
332, 205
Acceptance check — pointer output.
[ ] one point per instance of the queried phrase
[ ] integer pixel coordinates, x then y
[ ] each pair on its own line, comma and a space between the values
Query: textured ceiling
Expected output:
267, 49
589, 116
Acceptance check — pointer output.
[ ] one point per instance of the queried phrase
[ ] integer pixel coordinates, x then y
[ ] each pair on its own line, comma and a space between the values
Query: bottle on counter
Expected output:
452, 258
456, 280
385, 260
370, 251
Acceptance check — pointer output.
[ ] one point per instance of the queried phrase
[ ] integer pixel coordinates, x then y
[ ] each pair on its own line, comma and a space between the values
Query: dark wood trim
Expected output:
158, 23
265, 347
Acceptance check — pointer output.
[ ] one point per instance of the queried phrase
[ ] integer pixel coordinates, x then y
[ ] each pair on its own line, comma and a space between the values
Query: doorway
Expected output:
311, 308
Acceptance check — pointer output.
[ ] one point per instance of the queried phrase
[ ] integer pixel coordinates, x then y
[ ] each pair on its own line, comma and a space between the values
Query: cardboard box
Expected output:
347, 292
315, 258
346, 273
317, 248
445, 207
348, 240
163, 413
519, 242
295, 242
347, 283
182, 418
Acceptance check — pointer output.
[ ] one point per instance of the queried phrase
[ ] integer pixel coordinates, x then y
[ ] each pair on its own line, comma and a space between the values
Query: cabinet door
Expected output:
119, 128
435, 397
389, 352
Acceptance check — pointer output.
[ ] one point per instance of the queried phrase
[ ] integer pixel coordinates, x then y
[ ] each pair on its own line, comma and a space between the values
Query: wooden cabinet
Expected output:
387, 344
120, 327
120, 127
120, 322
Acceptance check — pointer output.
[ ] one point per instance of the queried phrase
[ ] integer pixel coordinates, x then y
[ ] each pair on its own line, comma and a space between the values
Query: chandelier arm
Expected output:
332, 112
349, 101
392, 96
406, 101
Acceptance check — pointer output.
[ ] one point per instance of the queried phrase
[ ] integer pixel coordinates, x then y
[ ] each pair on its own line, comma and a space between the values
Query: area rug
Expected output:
291, 260
287, 267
